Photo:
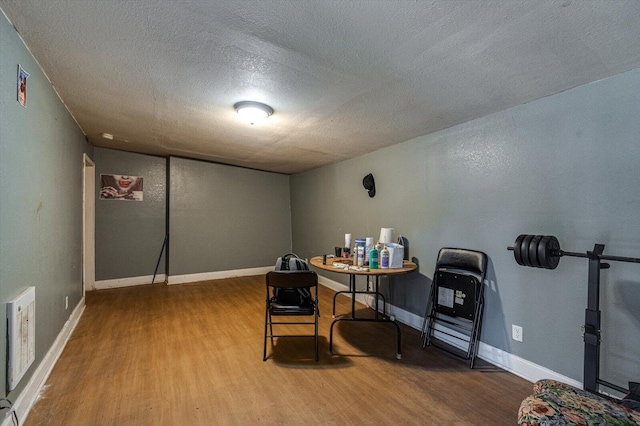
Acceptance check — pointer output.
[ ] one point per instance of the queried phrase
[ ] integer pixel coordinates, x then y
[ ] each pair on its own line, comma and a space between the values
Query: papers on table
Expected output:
339, 265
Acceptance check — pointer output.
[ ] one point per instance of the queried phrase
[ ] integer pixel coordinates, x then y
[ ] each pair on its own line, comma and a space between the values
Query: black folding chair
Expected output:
283, 304
455, 305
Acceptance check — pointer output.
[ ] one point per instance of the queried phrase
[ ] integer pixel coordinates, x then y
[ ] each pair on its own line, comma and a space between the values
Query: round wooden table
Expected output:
407, 267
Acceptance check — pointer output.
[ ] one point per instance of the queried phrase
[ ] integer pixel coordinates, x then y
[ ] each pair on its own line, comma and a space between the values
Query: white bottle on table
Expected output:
384, 258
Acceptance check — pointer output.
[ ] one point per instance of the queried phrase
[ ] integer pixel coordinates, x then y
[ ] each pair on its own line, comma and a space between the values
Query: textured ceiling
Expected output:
344, 77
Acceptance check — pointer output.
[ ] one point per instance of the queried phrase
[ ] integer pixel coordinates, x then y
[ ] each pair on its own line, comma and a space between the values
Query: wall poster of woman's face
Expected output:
22, 86
120, 187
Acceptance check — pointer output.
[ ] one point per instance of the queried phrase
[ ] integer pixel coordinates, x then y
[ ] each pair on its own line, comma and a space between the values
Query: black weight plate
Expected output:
543, 257
533, 251
516, 249
524, 249
553, 248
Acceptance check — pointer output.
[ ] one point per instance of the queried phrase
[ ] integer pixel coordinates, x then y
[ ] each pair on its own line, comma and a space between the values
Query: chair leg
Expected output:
266, 319
427, 312
316, 331
428, 319
271, 328
475, 339
424, 322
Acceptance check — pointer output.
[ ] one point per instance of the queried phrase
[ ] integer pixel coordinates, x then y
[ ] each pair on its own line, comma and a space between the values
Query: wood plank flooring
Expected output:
191, 354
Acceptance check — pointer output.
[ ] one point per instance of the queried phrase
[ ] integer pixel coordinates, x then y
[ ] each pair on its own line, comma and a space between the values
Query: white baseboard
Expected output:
128, 282
206, 276
520, 366
509, 362
333, 285
29, 395
180, 279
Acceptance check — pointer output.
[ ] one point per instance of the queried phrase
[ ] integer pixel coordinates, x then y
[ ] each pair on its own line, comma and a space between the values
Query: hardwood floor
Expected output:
191, 354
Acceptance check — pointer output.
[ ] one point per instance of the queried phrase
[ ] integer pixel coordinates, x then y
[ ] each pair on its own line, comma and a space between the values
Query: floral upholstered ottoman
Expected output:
556, 403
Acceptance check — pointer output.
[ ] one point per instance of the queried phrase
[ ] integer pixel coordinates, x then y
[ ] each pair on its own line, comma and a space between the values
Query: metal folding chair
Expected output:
277, 306
455, 305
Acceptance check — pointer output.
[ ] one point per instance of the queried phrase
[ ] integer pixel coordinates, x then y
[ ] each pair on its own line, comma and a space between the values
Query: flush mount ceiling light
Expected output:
253, 112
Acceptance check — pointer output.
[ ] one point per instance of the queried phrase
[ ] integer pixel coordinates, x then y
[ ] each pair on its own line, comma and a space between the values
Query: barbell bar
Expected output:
543, 251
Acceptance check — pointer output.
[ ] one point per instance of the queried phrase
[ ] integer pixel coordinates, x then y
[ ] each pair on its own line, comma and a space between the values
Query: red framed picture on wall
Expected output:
121, 187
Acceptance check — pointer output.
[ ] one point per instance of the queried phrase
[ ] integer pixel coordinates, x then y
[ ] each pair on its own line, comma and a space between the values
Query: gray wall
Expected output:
223, 217
41, 151
129, 234
566, 165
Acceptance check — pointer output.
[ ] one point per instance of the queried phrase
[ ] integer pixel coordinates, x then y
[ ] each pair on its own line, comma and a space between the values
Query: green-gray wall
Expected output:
566, 165
41, 157
129, 234
223, 218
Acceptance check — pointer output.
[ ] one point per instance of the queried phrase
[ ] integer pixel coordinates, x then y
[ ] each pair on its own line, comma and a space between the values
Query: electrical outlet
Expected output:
66, 303
516, 333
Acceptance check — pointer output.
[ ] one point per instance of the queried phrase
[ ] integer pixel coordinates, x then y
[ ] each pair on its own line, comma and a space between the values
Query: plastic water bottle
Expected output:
384, 258
368, 245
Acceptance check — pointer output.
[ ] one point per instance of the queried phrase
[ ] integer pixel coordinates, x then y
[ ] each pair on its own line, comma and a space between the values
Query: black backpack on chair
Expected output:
292, 296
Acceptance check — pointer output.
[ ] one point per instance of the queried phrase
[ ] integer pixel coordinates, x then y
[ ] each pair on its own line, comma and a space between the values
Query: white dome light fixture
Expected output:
253, 112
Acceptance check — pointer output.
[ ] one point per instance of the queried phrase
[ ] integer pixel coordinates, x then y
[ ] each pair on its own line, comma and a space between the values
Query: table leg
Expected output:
352, 287
353, 292
333, 314
399, 354
377, 291
331, 337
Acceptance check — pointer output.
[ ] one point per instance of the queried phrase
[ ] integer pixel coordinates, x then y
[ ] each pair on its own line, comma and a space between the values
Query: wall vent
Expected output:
21, 321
